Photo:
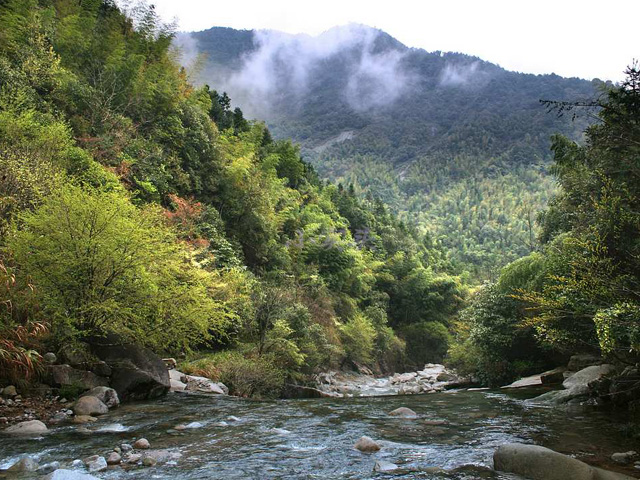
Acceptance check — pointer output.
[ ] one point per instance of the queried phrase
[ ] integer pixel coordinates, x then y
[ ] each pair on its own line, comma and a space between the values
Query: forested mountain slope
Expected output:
453, 142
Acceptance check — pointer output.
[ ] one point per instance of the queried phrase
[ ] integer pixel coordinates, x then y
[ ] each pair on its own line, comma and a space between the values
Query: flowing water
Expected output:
236, 438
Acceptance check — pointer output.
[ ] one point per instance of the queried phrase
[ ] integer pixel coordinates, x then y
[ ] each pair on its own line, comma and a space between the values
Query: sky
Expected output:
573, 38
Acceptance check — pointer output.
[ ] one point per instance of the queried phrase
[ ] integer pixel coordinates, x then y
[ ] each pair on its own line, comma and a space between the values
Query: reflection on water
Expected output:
237, 438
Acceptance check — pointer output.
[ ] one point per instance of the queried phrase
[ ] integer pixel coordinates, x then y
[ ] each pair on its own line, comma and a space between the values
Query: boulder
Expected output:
64, 474
367, 445
577, 386
175, 379
539, 463
9, 391
142, 444
91, 406
578, 362
26, 464
137, 373
98, 464
32, 427
403, 412
202, 384
624, 458
106, 395
50, 358
114, 458
553, 377
60, 375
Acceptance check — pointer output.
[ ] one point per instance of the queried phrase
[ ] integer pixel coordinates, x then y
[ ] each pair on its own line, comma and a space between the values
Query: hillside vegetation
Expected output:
133, 202
453, 144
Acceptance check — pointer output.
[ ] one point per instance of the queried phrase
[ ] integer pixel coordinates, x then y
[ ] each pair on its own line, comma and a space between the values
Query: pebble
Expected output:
114, 458
141, 444
149, 461
126, 447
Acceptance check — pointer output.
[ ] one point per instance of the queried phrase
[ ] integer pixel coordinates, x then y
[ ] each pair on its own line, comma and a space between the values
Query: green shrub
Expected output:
358, 339
246, 376
427, 342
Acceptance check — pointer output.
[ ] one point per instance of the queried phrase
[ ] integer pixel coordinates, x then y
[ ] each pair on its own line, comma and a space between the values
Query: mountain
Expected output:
453, 143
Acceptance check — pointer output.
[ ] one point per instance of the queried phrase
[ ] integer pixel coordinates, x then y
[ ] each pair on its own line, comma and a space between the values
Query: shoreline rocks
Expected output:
539, 463
433, 378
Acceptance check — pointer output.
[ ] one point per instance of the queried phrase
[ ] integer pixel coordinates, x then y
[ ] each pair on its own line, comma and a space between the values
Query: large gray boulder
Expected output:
539, 463
106, 395
90, 406
32, 427
137, 373
61, 375
577, 386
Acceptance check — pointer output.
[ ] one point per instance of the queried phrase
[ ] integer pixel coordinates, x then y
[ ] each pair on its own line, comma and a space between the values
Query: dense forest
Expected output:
455, 145
133, 202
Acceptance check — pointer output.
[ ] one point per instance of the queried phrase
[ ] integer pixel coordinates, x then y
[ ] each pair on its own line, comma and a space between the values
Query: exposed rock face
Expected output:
106, 395
367, 445
32, 427
539, 463
60, 375
579, 362
578, 386
138, 373
91, 406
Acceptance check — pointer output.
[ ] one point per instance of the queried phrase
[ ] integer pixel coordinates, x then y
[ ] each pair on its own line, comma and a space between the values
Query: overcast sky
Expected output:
582, 38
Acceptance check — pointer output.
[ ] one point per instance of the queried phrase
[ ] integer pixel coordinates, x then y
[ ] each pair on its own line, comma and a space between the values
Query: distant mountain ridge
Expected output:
405, 124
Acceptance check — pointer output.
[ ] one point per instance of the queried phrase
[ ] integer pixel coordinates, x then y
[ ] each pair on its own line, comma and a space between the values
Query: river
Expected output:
313, 439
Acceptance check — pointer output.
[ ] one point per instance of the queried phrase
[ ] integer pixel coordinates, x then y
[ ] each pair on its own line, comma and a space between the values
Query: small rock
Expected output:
141, 444
126, 447
403, 412
32, 427
26, 464
149, 461
624, 458
99, 465
9, 391
50, 358
133, 458
231, 418
90, 406
382, 466
48, 468
77, 463
114, 458
117, 450
367, 445
82, 419
180, 427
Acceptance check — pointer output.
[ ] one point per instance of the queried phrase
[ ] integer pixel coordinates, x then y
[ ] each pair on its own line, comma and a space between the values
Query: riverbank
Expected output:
455, 432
